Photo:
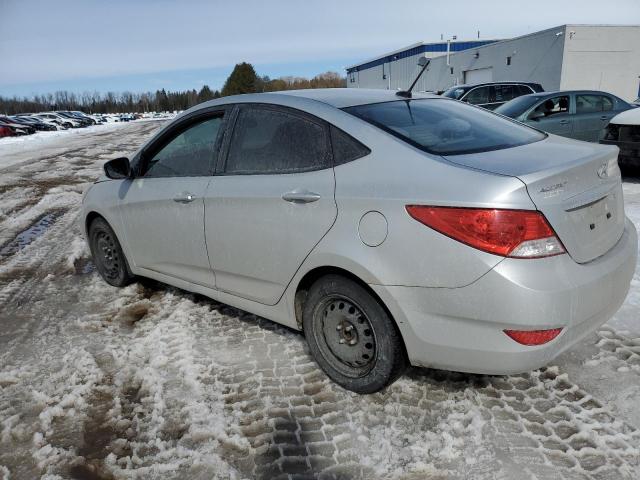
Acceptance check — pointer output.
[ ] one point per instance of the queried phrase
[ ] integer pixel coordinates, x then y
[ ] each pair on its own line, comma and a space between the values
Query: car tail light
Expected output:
510, 233
533, 337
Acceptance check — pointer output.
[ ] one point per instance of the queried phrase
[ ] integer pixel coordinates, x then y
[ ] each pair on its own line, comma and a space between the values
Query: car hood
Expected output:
628, 117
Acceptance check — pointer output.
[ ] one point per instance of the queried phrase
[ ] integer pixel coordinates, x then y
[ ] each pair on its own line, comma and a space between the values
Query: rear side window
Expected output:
504, 93
345, 147
593, 103
445, 127
270, 140
522, 90
189, 154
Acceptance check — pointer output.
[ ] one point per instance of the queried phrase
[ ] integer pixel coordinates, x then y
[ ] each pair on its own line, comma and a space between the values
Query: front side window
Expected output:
550, 107
593, 103
270, 140
189, 154
478, 96
444, 127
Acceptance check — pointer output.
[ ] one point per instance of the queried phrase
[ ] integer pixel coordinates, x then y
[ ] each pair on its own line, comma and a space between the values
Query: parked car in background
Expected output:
17, 128
62, 120
5, 131
636, 102
578, 114
35, 123
84, 116
491, 95
469, 251
56, 125
624, 132
84, 122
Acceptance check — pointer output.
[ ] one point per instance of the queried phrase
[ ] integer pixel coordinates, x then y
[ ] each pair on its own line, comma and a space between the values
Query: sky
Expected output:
145, 45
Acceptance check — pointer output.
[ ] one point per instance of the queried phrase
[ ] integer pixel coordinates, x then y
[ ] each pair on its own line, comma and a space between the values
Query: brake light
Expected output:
509, 233
533, 337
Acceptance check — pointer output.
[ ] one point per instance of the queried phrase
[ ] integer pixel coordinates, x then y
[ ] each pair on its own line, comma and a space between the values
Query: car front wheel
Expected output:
351, 336
108, 255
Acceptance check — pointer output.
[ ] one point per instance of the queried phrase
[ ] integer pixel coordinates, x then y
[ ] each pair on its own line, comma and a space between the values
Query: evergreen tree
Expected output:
243, 79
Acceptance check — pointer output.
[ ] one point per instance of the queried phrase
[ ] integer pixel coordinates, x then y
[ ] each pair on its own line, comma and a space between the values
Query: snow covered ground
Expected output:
153, 382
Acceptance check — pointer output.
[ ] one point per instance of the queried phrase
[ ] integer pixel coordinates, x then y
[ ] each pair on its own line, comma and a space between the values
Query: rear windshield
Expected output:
517, 106
445, 127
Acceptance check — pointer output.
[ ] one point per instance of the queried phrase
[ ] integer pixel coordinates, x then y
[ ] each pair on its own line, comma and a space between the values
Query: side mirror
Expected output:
118, 168
536, 116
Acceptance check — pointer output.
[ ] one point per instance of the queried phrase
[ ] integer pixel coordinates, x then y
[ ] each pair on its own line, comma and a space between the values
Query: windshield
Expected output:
444, 127
454, 92
517, 106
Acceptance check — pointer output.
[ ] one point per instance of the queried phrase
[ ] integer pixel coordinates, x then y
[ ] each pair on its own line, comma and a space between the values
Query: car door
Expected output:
552, 115
163, 207
272, 201
593, 113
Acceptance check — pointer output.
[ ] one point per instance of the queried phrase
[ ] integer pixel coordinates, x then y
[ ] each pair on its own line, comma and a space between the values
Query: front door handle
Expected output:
184, 197
300, 196
564, 122
604, 117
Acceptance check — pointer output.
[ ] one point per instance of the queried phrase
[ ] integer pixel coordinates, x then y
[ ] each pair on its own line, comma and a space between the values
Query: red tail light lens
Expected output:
533, 337
510, 233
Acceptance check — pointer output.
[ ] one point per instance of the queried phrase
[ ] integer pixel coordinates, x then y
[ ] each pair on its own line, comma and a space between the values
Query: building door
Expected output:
480, 75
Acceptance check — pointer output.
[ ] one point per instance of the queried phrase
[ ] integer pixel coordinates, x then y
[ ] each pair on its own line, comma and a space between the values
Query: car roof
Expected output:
336, 97
568, 92
510, 82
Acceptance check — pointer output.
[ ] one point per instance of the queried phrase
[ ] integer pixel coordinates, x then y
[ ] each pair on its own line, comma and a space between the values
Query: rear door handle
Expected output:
184, 197
604, 117
564, 122
300, 196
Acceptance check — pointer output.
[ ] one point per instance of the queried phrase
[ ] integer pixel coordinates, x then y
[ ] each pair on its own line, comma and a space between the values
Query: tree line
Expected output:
243, 79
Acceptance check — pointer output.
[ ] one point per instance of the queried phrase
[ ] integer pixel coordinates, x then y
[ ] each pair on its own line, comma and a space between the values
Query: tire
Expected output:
107, 254
351, 336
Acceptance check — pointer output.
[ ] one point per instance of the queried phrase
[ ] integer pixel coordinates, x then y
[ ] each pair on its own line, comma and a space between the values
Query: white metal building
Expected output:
393, 70
598, 57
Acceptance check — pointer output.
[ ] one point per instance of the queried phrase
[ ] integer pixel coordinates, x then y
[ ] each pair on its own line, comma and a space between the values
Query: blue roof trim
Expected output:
429, 47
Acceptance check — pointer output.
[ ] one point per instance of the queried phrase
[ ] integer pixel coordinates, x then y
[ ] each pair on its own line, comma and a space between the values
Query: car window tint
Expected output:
345, 147
550, 107
593, 103
189, 154
478, 96
504, 93
445, 127
268, 140
522, 90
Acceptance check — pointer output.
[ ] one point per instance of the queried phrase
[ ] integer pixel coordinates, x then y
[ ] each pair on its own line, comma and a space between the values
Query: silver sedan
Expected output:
391, 230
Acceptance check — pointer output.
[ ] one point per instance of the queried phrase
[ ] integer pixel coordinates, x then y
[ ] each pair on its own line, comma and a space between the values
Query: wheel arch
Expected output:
89, 218
313, 275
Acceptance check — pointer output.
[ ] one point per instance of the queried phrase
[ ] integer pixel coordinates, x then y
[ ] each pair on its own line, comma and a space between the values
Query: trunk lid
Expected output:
576, 185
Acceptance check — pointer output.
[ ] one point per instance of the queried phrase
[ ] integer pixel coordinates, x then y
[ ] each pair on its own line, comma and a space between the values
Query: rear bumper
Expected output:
462, 328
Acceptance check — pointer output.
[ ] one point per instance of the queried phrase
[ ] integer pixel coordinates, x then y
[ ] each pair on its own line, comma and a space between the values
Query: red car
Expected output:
6, 132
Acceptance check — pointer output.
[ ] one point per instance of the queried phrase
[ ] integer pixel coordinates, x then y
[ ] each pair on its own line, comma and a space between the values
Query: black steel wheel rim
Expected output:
345, 336
107, 255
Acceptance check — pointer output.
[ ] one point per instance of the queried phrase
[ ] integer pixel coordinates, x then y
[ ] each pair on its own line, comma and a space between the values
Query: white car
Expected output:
624, 132
64, 121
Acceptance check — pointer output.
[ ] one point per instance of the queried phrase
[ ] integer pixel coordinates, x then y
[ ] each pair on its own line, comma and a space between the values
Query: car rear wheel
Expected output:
351, 336
108, 255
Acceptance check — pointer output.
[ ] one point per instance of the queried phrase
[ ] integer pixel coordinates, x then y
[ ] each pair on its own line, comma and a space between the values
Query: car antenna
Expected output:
424, 63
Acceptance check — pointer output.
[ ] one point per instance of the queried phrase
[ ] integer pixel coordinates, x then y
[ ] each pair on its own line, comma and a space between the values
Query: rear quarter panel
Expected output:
395, 175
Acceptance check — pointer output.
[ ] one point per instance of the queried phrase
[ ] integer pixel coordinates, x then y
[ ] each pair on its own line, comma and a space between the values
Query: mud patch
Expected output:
31, 234
83, 266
